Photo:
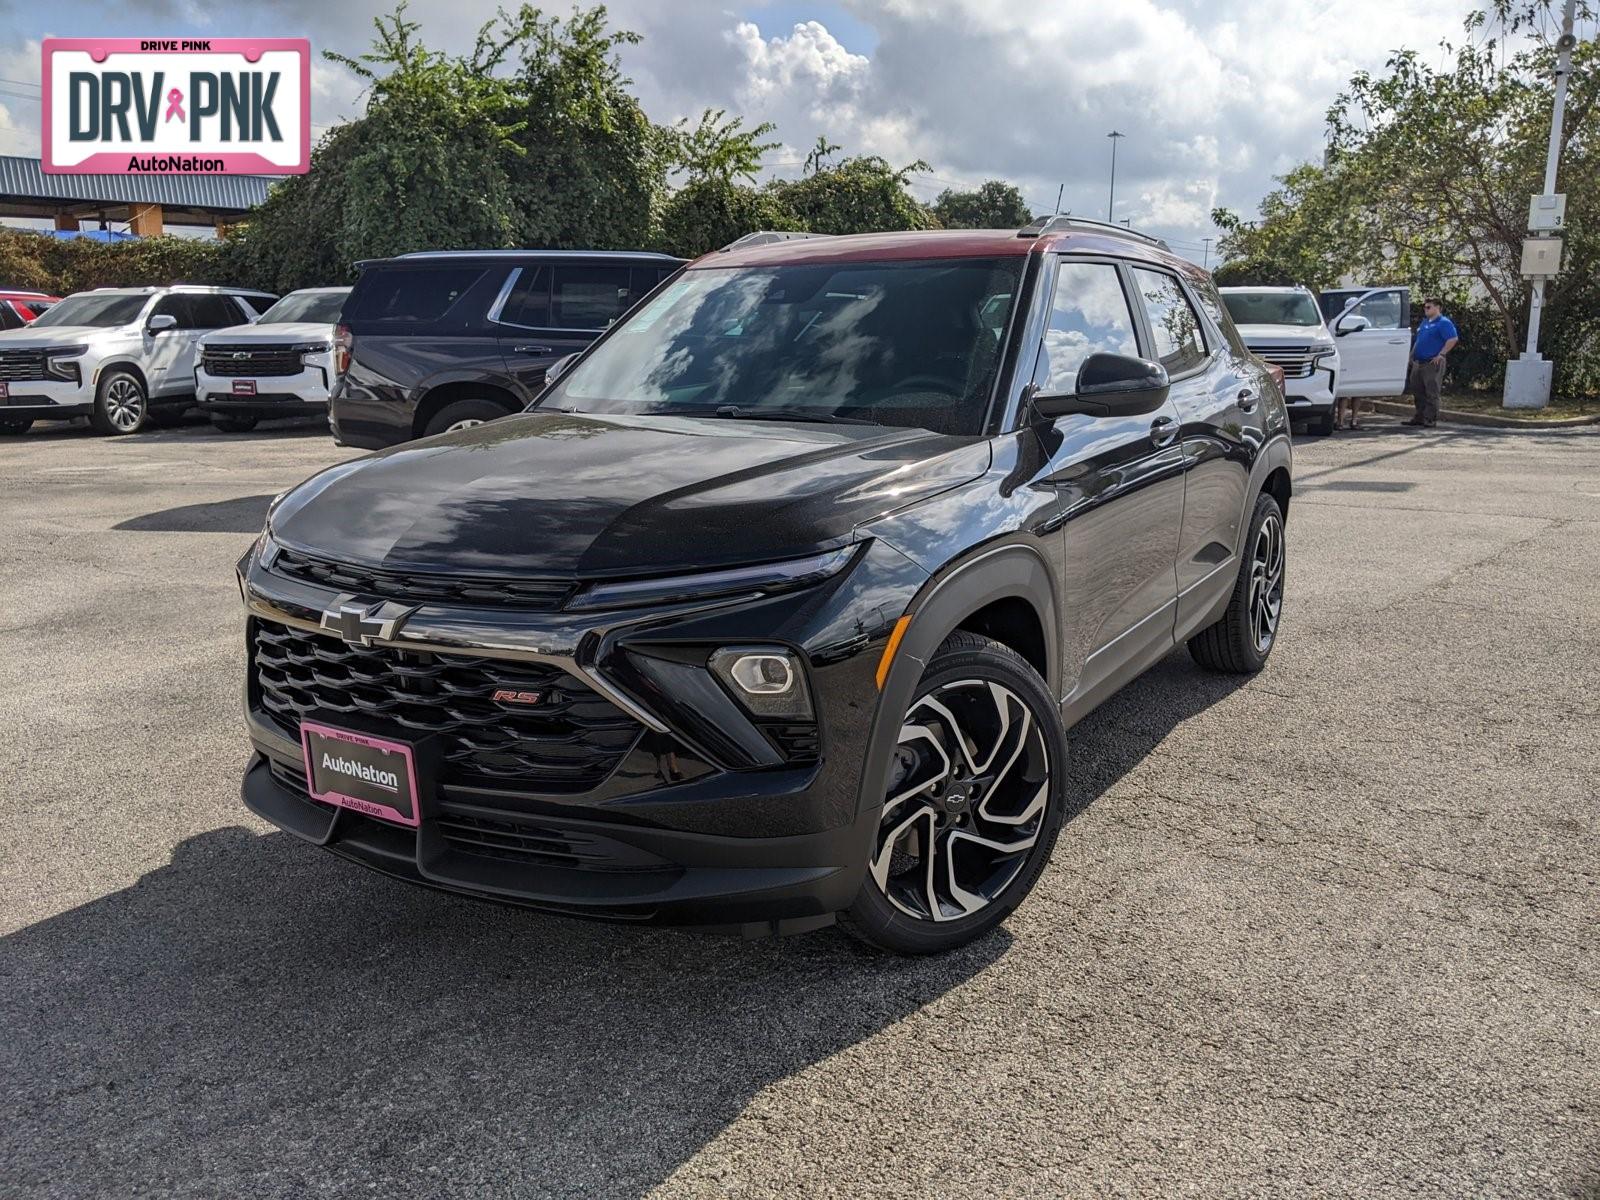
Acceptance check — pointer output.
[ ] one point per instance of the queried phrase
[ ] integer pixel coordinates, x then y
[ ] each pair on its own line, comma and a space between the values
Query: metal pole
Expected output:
1206, 244
1111, 200
1552, 158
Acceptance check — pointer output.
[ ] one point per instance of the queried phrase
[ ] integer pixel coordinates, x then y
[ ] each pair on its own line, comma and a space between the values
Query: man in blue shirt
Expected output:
1436, 337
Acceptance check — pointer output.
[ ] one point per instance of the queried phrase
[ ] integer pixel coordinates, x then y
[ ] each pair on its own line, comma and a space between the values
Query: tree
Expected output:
860, 195
819, 155
994, 205
720, 150
703, 216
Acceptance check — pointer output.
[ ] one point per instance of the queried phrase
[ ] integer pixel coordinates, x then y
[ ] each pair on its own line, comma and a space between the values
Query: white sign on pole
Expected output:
1547, 213
1541, 257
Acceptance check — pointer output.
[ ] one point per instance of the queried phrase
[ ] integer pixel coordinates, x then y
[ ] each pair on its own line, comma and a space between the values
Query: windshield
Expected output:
1272, 308
103, 312
912, 344
319, 307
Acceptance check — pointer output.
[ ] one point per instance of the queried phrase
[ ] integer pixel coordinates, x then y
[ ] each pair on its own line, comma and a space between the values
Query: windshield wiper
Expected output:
734, 412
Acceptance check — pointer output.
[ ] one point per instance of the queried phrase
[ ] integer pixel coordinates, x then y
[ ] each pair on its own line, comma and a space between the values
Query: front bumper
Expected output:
1311, 394
305, 394
47, 400
669, 831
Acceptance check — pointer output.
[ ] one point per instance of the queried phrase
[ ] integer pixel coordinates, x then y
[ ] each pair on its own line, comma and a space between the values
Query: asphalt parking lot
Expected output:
1327, 932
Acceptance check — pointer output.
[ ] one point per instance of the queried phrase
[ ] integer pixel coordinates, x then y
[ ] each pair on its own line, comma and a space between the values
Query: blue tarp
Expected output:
94, 235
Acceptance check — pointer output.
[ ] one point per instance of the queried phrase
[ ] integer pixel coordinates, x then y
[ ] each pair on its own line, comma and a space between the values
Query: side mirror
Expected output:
1350, 323
160, 323
1110, 385
559, 368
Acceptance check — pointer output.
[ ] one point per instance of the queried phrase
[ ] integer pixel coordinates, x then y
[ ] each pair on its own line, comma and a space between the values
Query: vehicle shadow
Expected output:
258, 1018
242, 514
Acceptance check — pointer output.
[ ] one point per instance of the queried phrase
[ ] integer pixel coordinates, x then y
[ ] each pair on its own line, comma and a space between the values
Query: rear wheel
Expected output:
1241, 640
232, 424
463, 414
15, 425
974, 804
120, 404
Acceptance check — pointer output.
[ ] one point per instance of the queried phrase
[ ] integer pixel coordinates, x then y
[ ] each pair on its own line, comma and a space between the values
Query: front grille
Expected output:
22, 366
251, 360
521, 840
535, 595
1294, 360
569, 740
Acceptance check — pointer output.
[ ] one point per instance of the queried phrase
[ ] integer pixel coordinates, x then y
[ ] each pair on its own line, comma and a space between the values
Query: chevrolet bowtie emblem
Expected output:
241, 354
361, 623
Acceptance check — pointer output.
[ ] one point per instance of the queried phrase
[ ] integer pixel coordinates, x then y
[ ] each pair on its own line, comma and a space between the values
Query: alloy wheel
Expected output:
1266, 583
124, 404
467, 423
966, 803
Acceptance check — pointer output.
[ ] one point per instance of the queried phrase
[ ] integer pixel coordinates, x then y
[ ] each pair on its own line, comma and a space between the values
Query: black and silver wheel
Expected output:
1241, 640
974, 802
463, 414
120, 404
10, 426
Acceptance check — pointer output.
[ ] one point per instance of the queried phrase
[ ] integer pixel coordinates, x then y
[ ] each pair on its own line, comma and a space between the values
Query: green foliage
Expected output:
709, 214
819, 155
860, 195
1427, 182
994, 205
719, 150
33, 260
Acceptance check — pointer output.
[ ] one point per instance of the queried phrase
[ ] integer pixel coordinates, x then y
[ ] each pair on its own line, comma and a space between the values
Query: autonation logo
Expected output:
376, 776
167, 106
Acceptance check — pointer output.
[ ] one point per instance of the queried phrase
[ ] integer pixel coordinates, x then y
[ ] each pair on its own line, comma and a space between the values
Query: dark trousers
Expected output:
1423, 384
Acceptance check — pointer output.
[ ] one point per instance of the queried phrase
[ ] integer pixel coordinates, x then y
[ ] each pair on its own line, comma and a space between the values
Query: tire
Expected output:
463, 414
234, 424
985, 688
120, 405
1322, 426
11, 426
1235, 642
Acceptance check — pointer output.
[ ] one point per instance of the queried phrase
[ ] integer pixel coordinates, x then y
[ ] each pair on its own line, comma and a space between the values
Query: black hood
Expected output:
563, 494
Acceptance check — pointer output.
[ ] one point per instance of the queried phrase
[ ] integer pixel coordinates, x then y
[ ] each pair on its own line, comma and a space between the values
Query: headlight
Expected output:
767, 680
314, 348
704, 585
1324, 352
58, 366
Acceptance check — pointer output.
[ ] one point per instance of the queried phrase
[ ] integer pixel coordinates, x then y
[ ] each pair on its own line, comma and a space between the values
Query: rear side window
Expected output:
1089, 314
585, 297
409, 296
1174, 324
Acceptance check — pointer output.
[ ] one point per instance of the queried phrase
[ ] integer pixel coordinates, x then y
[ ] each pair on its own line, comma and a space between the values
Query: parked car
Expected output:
17, 308
447, 340
278, 366
119, 356
1373, 328
778, 604
1283, 326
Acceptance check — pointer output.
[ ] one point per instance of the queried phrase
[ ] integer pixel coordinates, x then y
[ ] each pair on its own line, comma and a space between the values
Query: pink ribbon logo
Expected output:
175, 105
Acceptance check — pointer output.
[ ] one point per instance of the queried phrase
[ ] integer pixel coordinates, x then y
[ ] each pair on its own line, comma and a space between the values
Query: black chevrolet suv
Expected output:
777, 606
445, 340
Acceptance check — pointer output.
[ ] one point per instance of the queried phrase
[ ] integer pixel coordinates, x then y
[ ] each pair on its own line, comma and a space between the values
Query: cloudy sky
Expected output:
1215, 96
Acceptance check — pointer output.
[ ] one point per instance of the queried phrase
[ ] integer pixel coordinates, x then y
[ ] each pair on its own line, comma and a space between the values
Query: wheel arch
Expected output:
122, 364
438, 396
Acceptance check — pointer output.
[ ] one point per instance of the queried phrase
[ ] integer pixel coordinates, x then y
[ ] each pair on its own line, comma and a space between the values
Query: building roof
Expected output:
25, 179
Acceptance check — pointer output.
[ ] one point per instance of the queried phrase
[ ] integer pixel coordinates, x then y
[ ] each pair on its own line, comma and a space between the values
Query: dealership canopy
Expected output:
145, 202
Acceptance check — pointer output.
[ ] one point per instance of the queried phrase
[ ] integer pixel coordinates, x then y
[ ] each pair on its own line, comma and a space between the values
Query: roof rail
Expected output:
766, 237
1066, 223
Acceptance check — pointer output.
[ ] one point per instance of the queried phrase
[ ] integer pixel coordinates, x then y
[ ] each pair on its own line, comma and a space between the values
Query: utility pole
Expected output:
1206, 244
1528, 377
1111, 201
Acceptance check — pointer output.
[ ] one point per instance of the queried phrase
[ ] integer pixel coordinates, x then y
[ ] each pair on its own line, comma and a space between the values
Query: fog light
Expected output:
766, 680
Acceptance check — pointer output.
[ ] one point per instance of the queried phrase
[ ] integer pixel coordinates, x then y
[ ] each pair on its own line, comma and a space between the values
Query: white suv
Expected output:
1283, 326
279, 366
115, 355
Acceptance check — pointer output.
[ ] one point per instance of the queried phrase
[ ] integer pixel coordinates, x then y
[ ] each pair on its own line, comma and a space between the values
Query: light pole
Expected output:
1111, 201
1528, 377
1206, 244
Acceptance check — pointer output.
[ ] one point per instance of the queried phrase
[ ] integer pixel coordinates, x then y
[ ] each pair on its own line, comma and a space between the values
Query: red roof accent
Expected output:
928, 244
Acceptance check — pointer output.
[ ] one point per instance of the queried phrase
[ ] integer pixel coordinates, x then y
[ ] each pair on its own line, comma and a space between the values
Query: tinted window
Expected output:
1088, 315
8, 316
101, 311
409, 295
1174, 324
1384, 310
528, 303
589, 297
214, 312
1211, 301
890, 343
176, 307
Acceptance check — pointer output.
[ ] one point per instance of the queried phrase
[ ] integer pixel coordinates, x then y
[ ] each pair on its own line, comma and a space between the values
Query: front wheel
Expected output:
120, 404
975, 800
1240, 640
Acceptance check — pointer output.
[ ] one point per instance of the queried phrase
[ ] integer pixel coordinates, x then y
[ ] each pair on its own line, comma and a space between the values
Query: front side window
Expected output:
214, 312
528, 303
176, 307
1174, 324
1089, 314
1384, 310
909, 344
98, 311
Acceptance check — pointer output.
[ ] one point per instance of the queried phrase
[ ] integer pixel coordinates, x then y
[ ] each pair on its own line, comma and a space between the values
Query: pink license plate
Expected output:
372, 775
244, 387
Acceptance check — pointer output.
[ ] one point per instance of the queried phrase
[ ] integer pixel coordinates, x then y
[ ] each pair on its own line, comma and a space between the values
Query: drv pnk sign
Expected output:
170, 106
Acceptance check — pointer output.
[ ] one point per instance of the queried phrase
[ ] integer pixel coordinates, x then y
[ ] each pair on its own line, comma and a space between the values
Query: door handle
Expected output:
532, 350
1163, 430
1247, 400
1398, 341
